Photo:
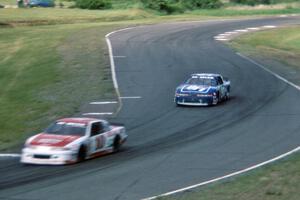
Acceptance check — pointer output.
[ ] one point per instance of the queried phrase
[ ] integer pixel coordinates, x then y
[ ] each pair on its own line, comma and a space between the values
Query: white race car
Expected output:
72, 140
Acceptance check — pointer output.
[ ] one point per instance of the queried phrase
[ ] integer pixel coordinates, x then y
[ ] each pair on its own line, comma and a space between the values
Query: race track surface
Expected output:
172, 147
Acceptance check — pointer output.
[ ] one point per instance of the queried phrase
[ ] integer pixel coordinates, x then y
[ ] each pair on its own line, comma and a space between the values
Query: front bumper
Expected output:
45, 156
195, 101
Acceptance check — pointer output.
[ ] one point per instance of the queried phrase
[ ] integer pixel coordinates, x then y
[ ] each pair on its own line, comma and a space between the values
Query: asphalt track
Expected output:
172, 147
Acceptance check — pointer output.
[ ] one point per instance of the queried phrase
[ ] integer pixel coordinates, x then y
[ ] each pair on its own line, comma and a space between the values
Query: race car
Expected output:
203, 90
72, 140
41, 3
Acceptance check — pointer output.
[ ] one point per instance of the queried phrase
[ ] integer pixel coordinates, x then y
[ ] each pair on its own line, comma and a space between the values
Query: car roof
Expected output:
81, 120
206, 74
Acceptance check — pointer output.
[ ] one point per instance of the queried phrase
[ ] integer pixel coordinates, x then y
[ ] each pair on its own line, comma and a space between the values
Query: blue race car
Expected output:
203, 90
41, 3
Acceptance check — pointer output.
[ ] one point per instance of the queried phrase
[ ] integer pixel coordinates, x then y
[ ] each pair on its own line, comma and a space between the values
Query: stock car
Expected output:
41, 3
72, 140
202, 90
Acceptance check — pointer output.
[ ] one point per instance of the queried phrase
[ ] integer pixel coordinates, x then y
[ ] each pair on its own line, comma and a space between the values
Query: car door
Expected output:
97, 137
222, 88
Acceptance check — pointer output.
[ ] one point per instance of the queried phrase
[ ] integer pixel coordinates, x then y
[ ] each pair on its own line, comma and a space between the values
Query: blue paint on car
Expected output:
203, 89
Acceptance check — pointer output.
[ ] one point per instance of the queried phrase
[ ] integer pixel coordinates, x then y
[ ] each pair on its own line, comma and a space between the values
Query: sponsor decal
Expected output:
199, 88
53, 140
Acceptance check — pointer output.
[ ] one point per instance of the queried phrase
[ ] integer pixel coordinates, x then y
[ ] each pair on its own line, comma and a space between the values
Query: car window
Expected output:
202, 81
97, 128
106, 126
220, 81
63, 128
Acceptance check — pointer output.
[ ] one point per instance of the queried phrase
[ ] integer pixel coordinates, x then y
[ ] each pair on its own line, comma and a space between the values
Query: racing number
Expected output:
100, 142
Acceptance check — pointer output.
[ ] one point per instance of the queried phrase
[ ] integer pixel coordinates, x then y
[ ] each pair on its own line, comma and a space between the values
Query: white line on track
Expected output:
241, 30
271, 72
137, 97
253, 28
226, 176
112, 63
218, 37
103, 102
224, 34
269, 26
10, 155
231, 32
222, 39
119, 56
104, 113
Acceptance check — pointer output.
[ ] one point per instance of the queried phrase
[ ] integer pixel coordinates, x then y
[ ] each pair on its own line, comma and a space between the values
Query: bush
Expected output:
202, 4
168, 6
251, 2
171, 6
93, 4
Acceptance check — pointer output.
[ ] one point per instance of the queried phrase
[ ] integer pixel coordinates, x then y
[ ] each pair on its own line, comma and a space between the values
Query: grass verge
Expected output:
278, 181
47, 72
279, 44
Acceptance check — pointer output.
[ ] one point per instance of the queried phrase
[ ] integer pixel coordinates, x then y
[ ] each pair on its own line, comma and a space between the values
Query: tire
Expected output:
117, 144
227, 96
81, 156
218, 100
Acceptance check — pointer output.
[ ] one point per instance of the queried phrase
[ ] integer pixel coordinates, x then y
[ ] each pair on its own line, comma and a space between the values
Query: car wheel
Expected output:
117, 144
227, 96
178, 105
217, 99
81, 156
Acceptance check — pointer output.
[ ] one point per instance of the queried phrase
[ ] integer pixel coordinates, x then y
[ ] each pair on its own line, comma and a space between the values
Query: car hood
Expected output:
194, 88
45, 139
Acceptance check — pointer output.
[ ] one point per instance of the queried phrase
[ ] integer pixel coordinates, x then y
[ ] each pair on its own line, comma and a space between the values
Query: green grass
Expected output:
233, 12
279, 44
8, 2
279, 181
40, 16
47, 72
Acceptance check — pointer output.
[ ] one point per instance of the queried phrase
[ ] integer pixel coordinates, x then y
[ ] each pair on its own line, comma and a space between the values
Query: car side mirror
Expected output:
225, 79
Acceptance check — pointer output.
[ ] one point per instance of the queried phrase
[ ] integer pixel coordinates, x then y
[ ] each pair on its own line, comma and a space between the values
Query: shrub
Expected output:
202, 4
251, 2
171, 6
168, 6
93, 4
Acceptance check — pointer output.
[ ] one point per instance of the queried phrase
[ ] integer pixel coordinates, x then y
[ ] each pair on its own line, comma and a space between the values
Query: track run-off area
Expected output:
173, 147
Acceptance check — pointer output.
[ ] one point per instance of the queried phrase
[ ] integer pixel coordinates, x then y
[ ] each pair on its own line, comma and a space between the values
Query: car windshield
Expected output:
63, 128
208, 81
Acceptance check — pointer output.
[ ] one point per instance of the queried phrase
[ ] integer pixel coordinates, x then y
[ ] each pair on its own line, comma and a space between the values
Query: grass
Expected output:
40, 16
47, 72
278, 181
280, 44
8, 2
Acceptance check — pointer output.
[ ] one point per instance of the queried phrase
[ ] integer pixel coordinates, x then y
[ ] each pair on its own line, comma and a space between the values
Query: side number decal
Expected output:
100, 142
